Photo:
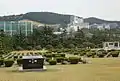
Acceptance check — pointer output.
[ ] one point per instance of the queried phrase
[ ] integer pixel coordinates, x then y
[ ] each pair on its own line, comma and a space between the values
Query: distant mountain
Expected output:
43, 17
93, 20
52, 18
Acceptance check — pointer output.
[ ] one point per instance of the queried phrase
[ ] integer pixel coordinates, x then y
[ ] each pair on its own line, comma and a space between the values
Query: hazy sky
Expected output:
105, 9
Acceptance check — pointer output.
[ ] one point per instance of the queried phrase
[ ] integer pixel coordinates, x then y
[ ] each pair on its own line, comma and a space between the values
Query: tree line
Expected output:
44, 38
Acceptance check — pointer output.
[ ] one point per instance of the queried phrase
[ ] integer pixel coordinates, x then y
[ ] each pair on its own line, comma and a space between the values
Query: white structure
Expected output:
76, 22
104, 26
111, 45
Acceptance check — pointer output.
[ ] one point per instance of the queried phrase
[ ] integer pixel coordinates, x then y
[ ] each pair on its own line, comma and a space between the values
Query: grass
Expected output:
101, 69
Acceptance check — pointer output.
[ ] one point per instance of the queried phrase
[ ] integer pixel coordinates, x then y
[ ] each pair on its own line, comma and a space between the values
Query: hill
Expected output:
93, 20
52, 18
43, 17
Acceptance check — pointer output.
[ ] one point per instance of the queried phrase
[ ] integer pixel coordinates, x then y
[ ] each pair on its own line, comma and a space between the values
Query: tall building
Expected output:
76, 22
16, 27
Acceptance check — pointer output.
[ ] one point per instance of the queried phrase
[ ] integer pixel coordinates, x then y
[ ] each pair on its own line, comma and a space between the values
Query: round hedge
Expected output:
9, 62
62, 55
48, 55
59, 59
52, 62
47, 59
73, 60
114, 53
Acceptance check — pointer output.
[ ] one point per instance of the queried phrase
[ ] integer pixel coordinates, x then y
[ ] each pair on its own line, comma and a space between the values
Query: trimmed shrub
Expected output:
60, 46
48, 55
101, 54
29, 48
76, 53
53, 55
8, 63
19, 61
1, 62
114, 53
71, 46
39, 53
91, 54
59, 59
52, 62
62, 55
19, 48
49, 46
66, 59
73, 60
47, 59
57, 55
82, 53
38, 47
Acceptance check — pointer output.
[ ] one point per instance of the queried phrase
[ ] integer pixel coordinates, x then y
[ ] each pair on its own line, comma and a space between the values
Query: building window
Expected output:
110, 43
116, 44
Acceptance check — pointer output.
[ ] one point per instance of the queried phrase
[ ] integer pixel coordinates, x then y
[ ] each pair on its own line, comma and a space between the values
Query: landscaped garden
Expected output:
101, 69
64, 65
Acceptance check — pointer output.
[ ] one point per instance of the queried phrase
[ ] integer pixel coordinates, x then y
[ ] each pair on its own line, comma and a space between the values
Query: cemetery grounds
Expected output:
100, 69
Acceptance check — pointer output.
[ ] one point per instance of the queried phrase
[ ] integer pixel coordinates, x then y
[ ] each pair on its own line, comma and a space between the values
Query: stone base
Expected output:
30, 70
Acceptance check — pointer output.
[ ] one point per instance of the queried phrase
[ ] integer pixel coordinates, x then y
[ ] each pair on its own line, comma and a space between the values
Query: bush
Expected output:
71, 46
73, 60
19, 61
29, 48
59, 59
82, 53
66, 59
76, 53
52, 62
1, 62
47, 59
48, 55
56, 55
114, 53
60, 46
62, 55
19, 48
49, 46
91, 54
53, 55
38, 47
9, 63
101, 54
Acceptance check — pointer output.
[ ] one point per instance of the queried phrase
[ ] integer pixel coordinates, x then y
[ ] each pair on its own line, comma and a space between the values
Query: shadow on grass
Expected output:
48, 70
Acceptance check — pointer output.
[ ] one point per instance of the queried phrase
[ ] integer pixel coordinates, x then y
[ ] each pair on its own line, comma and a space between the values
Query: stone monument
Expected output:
32, 63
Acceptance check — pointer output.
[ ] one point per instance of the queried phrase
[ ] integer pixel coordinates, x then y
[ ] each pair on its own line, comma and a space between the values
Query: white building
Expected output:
111, 45
76, 22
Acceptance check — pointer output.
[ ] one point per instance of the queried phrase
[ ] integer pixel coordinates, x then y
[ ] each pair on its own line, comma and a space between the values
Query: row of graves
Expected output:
37, 61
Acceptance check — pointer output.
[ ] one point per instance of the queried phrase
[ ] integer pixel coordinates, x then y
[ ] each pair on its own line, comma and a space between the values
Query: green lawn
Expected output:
106, 69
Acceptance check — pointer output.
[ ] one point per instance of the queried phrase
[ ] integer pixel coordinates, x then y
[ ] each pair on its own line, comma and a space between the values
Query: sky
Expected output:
104, 9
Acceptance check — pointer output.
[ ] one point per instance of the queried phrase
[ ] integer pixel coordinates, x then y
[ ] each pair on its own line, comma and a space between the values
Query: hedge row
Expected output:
54, 55
71, 60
